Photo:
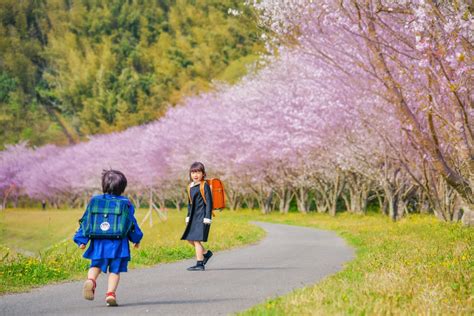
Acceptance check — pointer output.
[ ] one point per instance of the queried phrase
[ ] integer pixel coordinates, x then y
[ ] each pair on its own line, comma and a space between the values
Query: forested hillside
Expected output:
69, 69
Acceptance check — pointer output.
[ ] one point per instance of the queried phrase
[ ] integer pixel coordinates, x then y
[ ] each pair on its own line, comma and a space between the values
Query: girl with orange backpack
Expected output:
198, 220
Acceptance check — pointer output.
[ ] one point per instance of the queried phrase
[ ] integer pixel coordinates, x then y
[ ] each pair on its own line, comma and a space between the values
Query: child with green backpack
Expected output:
108, 224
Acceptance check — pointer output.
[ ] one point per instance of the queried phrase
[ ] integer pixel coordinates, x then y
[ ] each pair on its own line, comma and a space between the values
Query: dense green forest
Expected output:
69, 68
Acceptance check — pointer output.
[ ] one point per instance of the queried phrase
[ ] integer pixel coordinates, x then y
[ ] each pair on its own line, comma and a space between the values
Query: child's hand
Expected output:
136, 245
82, 246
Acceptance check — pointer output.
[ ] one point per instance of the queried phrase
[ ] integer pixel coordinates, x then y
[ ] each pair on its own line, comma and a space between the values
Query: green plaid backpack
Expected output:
107, 218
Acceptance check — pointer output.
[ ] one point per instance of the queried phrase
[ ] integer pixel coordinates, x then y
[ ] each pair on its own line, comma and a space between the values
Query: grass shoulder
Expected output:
415, 266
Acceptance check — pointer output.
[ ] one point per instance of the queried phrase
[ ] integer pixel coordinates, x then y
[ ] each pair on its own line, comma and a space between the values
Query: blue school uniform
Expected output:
110, 254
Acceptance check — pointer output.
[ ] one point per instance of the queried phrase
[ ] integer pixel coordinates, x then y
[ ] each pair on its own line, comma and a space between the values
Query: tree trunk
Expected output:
267, 204
75, 201
321, 205
85, 201
402, 208
358, 193
234, 203
162, 203
338, 187
4, 202
54, 116
392, 198
323, 196
468, 215
302, 199
383, 206
423, 204
150, 207
426, 139
250, 203
136, 200
347, 202
233, 199
356, 200
177, 203
285, 199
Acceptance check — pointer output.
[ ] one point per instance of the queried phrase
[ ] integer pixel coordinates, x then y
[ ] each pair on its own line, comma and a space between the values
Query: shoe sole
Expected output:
111, 301
196, 269
88, 290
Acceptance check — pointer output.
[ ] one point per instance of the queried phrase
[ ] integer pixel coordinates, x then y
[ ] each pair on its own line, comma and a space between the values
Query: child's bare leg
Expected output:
113, 282
190, 242
199, 251
93, 273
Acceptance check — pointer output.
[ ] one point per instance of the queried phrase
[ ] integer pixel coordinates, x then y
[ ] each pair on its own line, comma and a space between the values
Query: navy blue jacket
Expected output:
110, 248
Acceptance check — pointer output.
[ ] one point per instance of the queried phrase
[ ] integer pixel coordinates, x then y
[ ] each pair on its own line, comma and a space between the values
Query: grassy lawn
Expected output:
30, 231
48, 236
417, 266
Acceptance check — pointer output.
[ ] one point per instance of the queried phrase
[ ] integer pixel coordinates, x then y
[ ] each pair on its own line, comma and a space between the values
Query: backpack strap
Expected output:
201, 188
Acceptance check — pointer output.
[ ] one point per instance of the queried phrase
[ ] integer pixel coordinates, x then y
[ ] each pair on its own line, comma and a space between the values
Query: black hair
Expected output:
197, 166
113, 182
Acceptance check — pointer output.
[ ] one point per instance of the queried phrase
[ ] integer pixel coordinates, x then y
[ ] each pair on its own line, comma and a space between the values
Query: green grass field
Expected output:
30, 231
418, 266
46, 238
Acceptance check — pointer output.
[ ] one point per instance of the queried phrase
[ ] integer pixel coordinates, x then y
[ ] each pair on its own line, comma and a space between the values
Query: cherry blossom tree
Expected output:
414, 52
368, 100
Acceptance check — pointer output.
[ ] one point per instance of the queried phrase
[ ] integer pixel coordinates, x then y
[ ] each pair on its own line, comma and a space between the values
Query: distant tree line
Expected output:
69, 69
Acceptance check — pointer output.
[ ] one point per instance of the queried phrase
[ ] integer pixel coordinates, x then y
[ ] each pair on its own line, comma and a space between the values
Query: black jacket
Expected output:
198, 210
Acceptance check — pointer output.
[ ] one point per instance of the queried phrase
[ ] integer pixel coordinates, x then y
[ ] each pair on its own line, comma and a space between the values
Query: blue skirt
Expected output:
115, 265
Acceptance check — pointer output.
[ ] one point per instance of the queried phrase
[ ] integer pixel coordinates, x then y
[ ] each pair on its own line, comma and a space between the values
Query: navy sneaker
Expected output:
198, 267
207, 256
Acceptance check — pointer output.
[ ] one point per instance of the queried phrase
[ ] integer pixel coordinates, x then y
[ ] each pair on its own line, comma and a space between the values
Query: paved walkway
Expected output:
289, 257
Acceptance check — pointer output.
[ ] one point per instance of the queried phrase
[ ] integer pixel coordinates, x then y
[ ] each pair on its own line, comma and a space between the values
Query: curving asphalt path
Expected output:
289, 257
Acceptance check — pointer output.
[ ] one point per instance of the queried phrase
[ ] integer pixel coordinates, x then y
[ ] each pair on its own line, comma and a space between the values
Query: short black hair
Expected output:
197, 166
113, 182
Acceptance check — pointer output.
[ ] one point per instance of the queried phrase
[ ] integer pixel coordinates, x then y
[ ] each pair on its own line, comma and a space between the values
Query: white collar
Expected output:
193, 184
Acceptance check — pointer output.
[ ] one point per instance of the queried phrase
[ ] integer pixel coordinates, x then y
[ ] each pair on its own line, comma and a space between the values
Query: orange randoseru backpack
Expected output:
217, 191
